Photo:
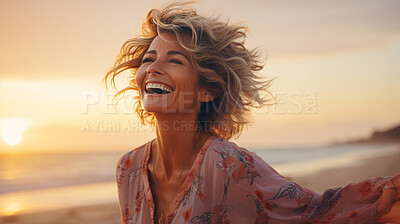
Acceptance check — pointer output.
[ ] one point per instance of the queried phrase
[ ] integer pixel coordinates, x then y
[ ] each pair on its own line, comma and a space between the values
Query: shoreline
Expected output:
320, 179
42, 200
346, 160
381, 165
104, 213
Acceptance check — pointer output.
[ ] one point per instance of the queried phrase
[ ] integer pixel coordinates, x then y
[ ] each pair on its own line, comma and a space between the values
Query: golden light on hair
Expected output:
223, 64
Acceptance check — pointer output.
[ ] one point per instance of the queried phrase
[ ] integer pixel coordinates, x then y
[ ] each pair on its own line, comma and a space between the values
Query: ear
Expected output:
207, 95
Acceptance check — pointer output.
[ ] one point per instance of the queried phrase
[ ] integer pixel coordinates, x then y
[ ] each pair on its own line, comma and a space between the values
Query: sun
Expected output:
12, 129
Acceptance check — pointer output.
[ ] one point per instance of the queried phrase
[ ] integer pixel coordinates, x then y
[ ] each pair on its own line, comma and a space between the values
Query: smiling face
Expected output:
166, 80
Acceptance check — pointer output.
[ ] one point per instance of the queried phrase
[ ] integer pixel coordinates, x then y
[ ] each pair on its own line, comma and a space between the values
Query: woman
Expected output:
196, 83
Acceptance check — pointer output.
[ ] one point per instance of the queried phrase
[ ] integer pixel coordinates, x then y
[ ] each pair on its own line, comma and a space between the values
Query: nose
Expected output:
154, 68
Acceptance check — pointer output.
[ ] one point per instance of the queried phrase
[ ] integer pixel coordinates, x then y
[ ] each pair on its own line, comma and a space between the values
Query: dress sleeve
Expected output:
276, 198
255, 192
122, 178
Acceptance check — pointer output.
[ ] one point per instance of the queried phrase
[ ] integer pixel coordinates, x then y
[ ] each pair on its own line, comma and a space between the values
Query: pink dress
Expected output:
228, 184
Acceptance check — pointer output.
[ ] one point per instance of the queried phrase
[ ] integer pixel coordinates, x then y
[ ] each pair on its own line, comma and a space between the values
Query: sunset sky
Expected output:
337, 65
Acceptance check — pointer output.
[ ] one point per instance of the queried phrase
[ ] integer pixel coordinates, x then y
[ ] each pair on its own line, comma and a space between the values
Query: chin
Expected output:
164, 104
158, 107
168, 109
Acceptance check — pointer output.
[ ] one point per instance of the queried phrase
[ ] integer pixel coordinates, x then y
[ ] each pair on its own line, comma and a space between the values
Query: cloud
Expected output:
74, 39
318, 28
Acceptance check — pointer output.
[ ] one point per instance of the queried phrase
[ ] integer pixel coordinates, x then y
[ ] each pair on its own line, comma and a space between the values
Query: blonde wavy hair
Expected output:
218, 54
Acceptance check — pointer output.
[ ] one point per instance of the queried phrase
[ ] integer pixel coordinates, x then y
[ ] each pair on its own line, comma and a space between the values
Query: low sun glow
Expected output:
12, 130
11, 208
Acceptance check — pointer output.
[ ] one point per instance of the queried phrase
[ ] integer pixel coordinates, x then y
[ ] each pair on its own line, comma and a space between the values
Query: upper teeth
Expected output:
163, 87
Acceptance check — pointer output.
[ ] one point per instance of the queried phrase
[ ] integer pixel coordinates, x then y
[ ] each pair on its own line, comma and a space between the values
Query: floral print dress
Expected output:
228, 184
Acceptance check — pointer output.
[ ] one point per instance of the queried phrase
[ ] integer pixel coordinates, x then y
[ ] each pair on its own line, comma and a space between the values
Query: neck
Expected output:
177, 143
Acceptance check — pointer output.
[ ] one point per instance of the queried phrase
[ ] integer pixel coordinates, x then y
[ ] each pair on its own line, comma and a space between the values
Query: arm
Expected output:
388, 210
363, 202
256, 191
122, 175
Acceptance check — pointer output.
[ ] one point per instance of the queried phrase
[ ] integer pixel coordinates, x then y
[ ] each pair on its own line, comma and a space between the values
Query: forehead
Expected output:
166, 42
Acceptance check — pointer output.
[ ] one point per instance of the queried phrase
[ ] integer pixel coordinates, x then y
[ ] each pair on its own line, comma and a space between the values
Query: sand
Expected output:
99, 214
384, 165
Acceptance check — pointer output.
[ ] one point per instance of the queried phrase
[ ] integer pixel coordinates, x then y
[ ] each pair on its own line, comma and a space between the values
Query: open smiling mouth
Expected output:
158, 88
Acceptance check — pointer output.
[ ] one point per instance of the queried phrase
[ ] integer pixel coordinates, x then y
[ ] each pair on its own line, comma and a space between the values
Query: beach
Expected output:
384, 165
348, 171
107, 213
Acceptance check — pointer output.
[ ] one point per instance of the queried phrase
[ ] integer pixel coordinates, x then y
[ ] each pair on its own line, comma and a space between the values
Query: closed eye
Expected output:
176, 61
145, 60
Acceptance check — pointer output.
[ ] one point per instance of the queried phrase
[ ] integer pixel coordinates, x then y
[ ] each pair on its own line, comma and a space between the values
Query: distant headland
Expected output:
391, 135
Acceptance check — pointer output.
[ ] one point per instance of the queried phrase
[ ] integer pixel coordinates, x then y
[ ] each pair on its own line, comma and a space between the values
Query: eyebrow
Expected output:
169, 53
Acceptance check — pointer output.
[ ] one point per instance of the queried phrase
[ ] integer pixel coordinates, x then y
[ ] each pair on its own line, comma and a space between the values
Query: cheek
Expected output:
189, 89
188, 79
139, 77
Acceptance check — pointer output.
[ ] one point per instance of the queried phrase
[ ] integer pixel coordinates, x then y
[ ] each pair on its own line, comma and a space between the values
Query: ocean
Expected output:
39, 171
32, 182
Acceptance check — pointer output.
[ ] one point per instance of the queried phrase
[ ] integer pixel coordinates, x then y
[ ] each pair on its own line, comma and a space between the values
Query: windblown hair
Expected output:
218, 54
